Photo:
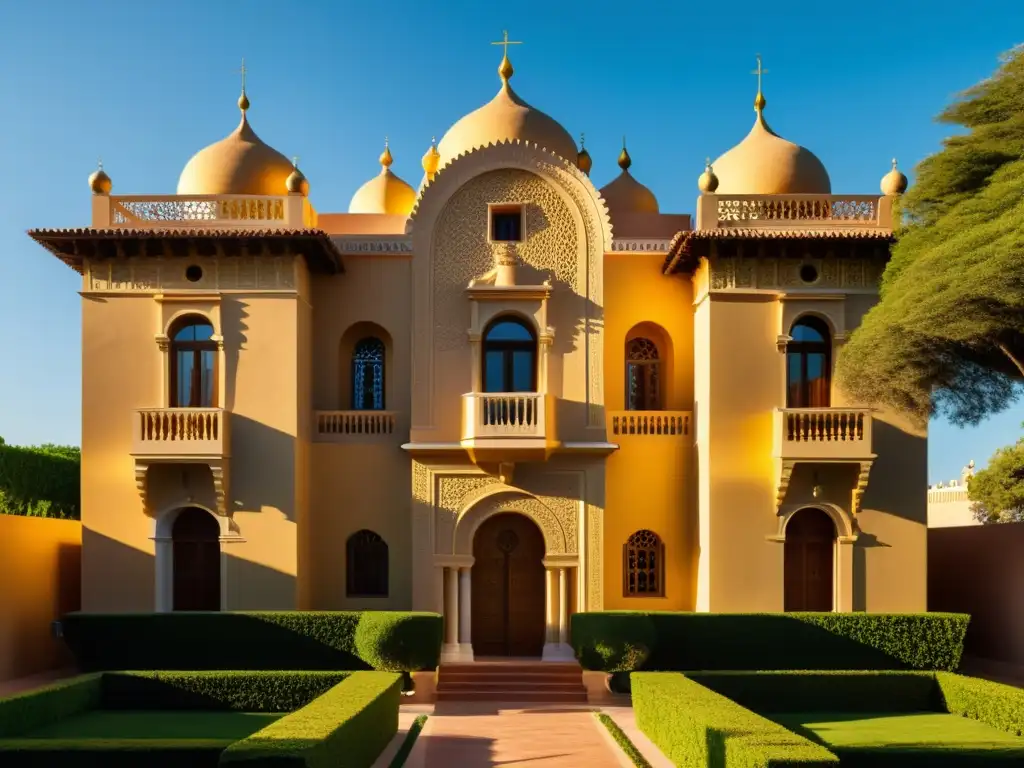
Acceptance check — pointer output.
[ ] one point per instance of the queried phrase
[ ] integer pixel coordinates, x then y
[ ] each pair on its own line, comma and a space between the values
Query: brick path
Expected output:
479, 735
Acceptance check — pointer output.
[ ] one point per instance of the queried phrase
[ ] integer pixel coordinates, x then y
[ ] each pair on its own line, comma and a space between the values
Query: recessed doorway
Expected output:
196, 564
810, 562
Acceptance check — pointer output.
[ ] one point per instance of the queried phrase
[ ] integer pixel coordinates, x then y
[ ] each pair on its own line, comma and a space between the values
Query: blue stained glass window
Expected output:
368, 375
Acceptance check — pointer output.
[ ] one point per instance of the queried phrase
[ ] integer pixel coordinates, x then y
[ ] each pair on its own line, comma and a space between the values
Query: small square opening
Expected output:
507, 224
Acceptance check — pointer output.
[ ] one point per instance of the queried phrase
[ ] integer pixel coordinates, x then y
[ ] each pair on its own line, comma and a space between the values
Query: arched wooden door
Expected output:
810, 562
508, 587
196, 565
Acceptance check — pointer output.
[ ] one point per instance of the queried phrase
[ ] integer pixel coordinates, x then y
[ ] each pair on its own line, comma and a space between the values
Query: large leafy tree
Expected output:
947, 335
998, 490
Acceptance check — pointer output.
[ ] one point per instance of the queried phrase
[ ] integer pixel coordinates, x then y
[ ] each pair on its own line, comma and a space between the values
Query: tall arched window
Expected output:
809, 365
193, 364
368, 375
510, 357
367, 565
643, 565
643, 375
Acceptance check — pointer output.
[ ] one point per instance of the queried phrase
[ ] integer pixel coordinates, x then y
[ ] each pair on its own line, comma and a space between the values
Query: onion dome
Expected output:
583, 161
626, 195
385, 192
505, 117
239, 164
764, 163
99, 182
431, 160
707, 182
894, 182
296, 183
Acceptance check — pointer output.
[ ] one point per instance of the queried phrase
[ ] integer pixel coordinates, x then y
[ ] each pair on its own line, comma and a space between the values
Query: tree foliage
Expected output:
40, 481
947, 335
998, 490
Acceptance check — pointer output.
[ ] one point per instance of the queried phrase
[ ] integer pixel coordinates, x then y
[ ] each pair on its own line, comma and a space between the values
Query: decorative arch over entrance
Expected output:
493, 501
810, 561
190, 560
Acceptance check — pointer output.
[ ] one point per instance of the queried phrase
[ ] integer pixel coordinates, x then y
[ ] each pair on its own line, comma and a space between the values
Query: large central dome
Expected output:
504, 117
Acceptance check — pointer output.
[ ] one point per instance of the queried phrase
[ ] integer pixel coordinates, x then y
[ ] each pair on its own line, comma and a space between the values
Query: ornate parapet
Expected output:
196, 211
794, 212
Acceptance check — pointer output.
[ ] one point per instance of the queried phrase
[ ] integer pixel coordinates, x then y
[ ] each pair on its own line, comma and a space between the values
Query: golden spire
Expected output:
505, 70
296, 183
624, 159
385, 156
707, 182
99, 181
431, 159
759, 100
243, 100
583, 159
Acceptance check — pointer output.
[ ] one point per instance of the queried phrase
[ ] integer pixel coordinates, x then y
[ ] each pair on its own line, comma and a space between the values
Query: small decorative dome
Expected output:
296, 183
99, 181
505, 117
385, 192
707, 182
626, 195
239, 164
764, 163
583, 160
894, 182
431, 160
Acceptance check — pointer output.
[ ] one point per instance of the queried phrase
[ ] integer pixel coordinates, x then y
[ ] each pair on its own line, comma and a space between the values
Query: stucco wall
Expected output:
40, 566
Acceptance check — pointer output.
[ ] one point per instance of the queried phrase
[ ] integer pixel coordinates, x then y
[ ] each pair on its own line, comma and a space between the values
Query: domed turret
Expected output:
296, 183
385, 192
707, 182
430, 160
624, 194
99, 181
764, 163
583, 160
894, 182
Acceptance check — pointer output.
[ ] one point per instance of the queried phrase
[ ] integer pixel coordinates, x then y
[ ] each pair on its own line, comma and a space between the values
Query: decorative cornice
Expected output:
362, 244
642, 245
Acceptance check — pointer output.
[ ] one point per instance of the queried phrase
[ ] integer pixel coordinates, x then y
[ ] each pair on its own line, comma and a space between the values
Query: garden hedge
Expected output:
260, 640
27, 711
770, 641
997, 705
40, 481
693, 725
349, 725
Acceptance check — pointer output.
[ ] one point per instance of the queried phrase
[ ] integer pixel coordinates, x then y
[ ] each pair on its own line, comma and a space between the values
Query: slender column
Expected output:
549, 607
164, 602
465, 607
563, 608
452, 608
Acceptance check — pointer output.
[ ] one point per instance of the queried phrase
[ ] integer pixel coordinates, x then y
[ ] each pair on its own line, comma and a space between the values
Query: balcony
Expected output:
354, 426
823, 434
203, 211
181, 433
508, 426
654, 424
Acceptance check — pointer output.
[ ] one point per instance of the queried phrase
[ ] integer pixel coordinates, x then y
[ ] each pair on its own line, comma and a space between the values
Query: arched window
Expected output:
193, 364
368, 375
643, 565
195, 568
809, 365
643, 375
510, 357
367, 565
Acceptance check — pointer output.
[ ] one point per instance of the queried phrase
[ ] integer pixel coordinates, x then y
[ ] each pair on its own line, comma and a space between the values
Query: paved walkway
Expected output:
479, 735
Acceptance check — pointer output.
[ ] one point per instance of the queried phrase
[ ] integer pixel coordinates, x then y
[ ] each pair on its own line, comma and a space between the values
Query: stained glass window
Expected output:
368, 375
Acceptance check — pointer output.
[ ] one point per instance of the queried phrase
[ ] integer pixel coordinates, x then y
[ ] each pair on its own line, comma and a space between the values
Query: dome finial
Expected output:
385, 156
583, 160
505, 70
894, 182
243, 100
759, 100
431, 159
707, 182
624, 159
99, 181
296, 183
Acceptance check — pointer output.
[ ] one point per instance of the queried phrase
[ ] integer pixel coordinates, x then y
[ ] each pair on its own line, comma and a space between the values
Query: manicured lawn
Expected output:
157, 725
924, 730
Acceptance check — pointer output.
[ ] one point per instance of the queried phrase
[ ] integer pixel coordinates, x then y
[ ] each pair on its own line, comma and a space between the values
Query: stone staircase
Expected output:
511, 681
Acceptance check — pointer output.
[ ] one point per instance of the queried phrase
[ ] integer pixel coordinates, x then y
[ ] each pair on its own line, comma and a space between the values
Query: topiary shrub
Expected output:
397, 642
621, 642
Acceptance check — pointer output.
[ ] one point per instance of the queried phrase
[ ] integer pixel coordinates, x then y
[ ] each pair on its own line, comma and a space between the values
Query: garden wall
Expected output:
40, 577
979, 570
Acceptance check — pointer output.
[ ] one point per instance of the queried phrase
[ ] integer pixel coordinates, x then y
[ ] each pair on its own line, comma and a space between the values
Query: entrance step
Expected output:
549, 682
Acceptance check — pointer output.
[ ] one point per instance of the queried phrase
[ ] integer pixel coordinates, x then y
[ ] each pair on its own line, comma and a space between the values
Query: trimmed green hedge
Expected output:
259, 640
35, 709
1000, 706
349, 725
693, 725
770, 641
40, 481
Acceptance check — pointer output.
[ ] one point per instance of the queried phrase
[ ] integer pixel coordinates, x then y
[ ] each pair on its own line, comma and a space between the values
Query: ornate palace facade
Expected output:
506, 395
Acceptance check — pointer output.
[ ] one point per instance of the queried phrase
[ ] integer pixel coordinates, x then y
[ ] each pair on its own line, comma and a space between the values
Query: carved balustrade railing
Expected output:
346, 426
203, 211
181, 432
649, 423
794, 211
504, 415
823, 433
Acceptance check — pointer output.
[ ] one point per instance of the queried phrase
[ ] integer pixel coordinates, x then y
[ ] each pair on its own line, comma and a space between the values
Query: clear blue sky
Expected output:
146, 85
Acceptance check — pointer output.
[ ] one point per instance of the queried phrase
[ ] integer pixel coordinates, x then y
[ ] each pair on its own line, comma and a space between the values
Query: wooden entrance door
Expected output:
508, 587
196, 565
810, 564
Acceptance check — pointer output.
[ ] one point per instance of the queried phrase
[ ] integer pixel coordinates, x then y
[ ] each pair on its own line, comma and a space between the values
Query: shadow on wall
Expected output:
257, 587
892, 487
865, 541
263, 467
233, 315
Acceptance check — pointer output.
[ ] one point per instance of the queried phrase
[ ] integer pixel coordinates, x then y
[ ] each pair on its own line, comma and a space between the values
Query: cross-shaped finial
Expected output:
505, 42
242, 72
760, 71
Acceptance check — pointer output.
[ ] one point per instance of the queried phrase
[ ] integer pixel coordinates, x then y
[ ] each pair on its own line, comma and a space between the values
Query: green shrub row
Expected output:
627, 640
260, 640
35, 709
997, 705
693, 725
99, 753
349, 725
258, 691
40, 481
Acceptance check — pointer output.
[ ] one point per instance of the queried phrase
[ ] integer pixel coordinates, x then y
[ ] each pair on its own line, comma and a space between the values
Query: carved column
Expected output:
556, 645
450, 651
465, 613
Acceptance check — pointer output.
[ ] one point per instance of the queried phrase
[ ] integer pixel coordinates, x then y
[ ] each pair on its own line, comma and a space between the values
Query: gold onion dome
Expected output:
505, 117
707, 182
583, 159
894, 182
99, 181
764, 163
385, 192
297, 183
431, 160
626, 195
239, 164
